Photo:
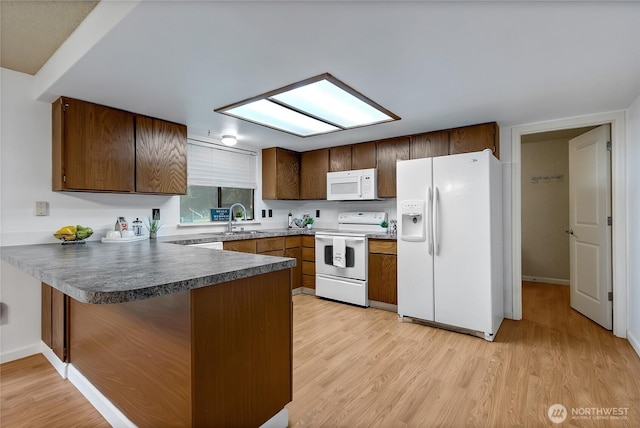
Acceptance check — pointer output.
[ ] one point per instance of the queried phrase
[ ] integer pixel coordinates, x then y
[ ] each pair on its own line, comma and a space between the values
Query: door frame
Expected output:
618, 206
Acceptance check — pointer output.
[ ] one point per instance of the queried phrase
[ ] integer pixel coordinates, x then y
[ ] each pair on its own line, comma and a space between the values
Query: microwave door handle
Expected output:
360, 186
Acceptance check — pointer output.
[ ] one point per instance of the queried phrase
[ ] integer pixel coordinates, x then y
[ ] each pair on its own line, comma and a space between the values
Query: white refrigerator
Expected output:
450, 241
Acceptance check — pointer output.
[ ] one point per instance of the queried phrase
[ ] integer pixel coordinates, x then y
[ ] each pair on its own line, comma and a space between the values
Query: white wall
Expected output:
545, 211
633, 219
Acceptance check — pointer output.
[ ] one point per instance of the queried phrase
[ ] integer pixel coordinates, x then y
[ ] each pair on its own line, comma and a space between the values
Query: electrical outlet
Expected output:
264, 213
155, 213
270, 212
317, 213
42, 208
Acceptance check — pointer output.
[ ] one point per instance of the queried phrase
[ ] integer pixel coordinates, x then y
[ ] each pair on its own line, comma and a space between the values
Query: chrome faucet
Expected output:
231, 216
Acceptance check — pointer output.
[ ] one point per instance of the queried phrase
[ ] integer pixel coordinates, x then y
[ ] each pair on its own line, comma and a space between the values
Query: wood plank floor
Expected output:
357, 367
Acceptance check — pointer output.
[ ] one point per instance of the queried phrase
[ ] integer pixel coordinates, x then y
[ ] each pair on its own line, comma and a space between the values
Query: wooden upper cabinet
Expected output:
314, 166
475, 139
280, 174
161, 156
363, 155
93, 147
340, 158
389, 151
429, 145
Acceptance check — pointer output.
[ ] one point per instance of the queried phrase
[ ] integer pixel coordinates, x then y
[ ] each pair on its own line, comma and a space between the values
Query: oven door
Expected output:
342, 255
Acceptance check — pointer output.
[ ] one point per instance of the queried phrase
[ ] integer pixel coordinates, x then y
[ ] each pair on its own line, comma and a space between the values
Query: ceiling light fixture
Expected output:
314, 106
229, 140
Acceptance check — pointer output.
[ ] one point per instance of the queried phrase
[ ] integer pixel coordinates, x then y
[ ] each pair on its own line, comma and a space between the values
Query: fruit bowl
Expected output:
73, 234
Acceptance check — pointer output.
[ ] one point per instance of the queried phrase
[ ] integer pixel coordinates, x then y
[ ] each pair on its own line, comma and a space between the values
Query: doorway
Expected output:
618, 194
565, 205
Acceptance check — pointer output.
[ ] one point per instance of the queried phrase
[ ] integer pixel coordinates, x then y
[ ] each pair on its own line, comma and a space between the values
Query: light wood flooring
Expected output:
357, 367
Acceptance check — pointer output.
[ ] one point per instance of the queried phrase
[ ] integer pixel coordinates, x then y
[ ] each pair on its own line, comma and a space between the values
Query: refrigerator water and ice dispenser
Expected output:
412, 217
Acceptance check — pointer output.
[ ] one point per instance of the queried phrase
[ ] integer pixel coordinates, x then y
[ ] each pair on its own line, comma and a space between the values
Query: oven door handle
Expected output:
346, 238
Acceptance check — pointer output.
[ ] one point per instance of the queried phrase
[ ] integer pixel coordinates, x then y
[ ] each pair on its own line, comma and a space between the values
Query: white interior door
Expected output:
590, 234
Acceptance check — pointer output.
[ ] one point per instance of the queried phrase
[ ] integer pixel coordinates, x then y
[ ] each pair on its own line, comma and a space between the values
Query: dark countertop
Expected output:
115, 273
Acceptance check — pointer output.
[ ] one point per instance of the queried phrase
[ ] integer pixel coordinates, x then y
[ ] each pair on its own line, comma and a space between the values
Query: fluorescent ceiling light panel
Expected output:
325, 100
318, 105
276, 116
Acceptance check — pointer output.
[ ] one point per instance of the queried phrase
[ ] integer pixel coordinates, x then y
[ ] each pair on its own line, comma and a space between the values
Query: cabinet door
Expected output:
54, 321
475, 139
242, 246
388, 152
314, 166
98, 147
340, 158
161, 157
296, 272
280, 174
363, 155
269, 244
383, 283
429, 145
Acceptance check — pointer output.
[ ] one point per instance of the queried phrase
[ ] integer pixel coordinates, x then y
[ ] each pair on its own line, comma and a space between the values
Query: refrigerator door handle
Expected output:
430, 217
436, 226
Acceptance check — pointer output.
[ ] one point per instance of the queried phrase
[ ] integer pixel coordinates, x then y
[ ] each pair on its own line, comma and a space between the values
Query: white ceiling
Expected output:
435, 64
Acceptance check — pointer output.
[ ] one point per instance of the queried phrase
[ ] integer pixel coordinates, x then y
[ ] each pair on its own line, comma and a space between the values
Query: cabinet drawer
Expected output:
243, 246
383, 246
309, 241
309, 281
293, 241
309, 254
269, 244
308, 268
279, 253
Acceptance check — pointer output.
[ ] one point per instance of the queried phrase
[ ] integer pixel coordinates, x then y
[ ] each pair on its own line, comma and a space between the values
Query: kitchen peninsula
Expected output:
174, 335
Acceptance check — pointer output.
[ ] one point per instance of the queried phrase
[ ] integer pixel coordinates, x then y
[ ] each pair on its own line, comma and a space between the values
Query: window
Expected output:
217, 178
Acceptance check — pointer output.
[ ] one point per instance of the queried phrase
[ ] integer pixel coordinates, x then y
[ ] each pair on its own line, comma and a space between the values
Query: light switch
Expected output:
42, 208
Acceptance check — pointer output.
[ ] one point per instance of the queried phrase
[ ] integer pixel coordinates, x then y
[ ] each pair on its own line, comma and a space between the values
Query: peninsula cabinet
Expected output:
340, 158
429, 145
383, 271
102, 149
314, 166
161, 157
475, 139
55, 320
363, 155
280, 174
390, 151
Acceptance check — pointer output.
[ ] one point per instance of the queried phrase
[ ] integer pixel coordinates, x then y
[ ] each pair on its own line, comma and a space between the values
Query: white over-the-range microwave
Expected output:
354, 185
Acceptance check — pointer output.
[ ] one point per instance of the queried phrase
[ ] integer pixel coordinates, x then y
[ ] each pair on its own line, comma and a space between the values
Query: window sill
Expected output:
219, 223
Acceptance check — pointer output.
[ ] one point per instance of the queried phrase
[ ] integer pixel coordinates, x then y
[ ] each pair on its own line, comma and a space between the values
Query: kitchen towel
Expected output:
339, 251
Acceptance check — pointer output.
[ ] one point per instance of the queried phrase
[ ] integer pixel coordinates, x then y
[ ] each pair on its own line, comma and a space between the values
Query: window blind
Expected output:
211, 165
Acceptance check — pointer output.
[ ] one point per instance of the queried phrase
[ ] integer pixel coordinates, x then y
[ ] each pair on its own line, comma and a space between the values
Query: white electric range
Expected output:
342, 255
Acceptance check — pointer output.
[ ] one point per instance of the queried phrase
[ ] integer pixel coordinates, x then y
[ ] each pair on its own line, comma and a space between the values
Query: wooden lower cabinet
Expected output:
383, 271
55, 321
215, 356
309, 262
293, 249
241, 246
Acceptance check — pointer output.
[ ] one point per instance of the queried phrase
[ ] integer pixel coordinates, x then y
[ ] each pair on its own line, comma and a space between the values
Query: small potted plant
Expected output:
308, 222
153, 225
384, 224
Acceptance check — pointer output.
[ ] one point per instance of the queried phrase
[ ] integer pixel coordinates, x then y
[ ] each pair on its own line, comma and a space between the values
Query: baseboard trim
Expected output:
296, 291
635, 343
110, 412
384, 306
279, 420
307, 290
16, 354
61, 367
545, 280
